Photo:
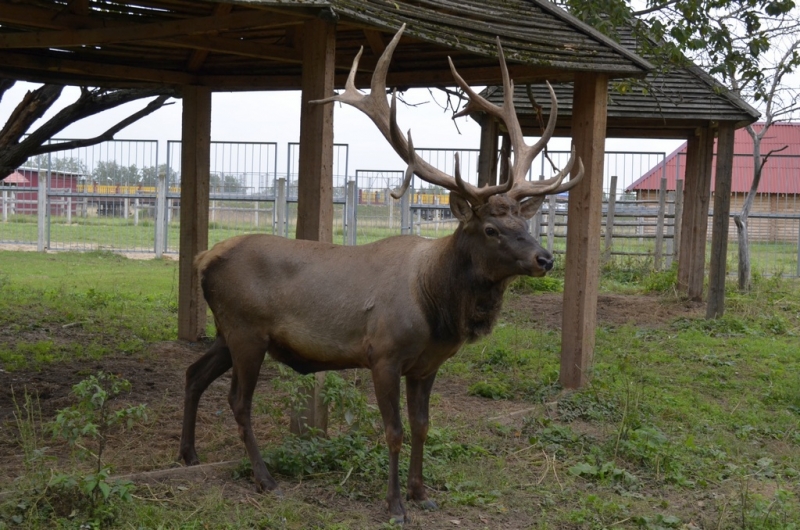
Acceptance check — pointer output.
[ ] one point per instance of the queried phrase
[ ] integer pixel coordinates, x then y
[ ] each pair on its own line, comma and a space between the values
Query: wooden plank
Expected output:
487, 160
676, 242
133, 32
720, 223
195, 166
198, 57
583, 231
70, 67
315, 186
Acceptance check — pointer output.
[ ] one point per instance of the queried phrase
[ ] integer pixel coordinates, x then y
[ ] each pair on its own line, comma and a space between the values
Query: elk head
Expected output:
492, 217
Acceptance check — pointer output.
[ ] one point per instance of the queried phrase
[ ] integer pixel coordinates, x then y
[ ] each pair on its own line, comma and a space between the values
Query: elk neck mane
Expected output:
460, 303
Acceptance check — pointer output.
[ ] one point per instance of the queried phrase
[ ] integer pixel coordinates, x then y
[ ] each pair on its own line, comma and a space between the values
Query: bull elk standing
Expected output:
397, 307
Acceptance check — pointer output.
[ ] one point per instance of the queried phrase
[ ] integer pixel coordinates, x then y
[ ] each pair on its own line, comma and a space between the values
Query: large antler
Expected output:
384, 116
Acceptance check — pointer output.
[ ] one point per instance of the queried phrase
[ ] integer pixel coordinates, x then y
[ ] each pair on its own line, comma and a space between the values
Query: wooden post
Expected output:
691, 267
719, 230
670, 229
487, 159
5, 206
583, 230
611, 210
195, 164
405, 212
677, 220
505, 154
315, 170
161, 215
662, 205
281, 226
551, 221
350, 213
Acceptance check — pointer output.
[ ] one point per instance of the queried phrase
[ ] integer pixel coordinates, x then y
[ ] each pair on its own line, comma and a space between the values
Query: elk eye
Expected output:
491, 232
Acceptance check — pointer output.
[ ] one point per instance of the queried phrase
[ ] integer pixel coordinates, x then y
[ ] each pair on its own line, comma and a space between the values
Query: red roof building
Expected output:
781, 174
774, 216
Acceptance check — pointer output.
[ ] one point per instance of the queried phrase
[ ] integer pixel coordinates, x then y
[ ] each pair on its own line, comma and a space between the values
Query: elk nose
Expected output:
545, 262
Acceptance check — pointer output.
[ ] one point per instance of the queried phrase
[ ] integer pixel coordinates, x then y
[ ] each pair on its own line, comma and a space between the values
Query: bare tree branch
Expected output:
14, 152
153, 106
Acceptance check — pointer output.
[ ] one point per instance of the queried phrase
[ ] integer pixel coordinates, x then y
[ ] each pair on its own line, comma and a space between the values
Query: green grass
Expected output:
692, 421
87, 304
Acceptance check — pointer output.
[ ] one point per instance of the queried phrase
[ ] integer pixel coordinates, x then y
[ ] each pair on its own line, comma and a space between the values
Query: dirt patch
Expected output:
546, 309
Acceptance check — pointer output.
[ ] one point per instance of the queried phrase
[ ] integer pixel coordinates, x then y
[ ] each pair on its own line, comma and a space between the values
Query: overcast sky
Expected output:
275, 117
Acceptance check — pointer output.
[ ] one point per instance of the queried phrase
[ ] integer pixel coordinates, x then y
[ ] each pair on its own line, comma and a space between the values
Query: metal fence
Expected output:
125, 196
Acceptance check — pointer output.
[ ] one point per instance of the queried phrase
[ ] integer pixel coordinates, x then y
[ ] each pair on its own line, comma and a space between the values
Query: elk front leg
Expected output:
199, 375
387, 392
418, 393
246, 366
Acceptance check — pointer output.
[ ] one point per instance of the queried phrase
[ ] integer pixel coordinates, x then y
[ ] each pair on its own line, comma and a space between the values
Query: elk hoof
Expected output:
428, 505
398, 520
189, 458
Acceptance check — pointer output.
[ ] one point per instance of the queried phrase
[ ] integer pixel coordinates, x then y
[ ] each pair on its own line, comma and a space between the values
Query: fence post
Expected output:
419, 221
670, 228
41, 210
405, 213
161, 214
85, 207
5, 206
798, 249
126, 208
390, 204
610, 212
280, 208
69, 210
678, 218
551, 222
662, 202
136, 212
350, 213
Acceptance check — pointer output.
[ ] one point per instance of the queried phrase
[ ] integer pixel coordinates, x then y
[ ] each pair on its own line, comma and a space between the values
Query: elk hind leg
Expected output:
387, 393
215, 362
418, 392
247, 364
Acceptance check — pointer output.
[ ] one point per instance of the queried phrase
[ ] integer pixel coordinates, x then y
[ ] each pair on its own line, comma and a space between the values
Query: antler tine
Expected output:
552, 185
412, 156
351, 94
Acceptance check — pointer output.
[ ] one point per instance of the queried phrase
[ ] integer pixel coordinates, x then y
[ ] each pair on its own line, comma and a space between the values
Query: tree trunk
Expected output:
744, 252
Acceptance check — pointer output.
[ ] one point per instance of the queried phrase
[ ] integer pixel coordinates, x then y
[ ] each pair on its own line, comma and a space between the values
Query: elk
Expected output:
398, 307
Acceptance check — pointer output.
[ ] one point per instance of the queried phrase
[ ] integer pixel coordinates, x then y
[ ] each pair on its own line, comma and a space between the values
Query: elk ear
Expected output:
529, 207
460, 207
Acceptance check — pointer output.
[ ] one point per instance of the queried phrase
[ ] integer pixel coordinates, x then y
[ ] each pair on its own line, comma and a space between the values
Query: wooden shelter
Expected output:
681, 101
205, 46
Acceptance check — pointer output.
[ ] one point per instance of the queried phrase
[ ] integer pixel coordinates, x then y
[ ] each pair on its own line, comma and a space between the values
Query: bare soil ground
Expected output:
157, 380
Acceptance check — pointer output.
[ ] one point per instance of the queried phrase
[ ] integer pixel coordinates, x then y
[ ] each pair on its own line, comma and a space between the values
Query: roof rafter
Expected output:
136, 32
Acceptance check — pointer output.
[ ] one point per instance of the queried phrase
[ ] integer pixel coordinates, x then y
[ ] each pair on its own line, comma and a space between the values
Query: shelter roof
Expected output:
670, 102
781, 173
257, 44
16, 178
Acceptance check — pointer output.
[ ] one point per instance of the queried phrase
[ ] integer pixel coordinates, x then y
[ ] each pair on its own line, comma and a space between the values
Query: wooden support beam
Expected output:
117, 73
719, 230
584, 218
99, 34
195, 167
375, 40
487, 160
694, 224
315, 186
198, 57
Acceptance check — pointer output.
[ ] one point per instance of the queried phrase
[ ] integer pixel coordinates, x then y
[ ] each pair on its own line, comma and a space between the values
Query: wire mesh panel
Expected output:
241, 186
377, 212
341, 159
99, 197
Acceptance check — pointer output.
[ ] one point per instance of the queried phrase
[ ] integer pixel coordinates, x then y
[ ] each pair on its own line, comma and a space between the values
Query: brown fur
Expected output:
398, 307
